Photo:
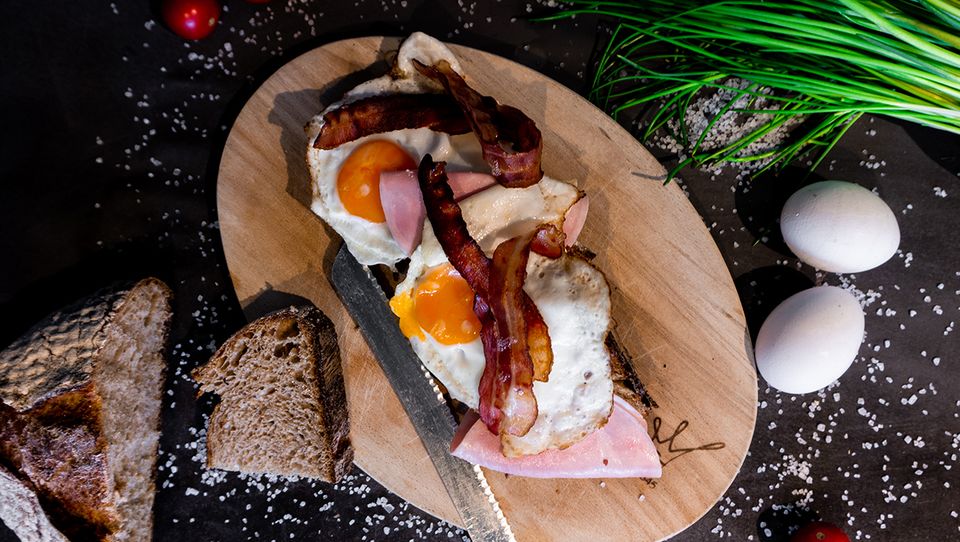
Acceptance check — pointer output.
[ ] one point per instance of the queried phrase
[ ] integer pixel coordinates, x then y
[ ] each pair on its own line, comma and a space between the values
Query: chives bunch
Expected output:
829, 61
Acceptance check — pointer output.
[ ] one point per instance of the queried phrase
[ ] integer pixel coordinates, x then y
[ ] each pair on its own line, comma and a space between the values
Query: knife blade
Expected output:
420, 397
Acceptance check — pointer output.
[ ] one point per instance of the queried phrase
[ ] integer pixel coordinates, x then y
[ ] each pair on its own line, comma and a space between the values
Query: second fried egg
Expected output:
435, 307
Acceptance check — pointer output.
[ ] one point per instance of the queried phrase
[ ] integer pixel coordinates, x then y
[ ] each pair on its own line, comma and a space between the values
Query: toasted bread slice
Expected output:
283, 407
80, 422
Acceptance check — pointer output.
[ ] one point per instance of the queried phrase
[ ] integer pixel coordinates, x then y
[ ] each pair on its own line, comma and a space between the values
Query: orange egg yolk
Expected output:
358, 183
442, 305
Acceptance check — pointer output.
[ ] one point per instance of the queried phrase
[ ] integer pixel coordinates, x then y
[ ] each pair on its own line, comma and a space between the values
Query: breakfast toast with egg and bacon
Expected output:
497, 300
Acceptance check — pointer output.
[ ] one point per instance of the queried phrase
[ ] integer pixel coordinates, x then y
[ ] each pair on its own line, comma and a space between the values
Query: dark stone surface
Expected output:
112, 130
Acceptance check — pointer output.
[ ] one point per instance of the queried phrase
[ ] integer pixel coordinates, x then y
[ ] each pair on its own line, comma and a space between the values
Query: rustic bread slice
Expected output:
283, 407
83, 394
21, 511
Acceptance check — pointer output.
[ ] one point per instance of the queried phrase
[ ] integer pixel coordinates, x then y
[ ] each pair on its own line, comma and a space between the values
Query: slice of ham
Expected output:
574, 219
620, 449
403, 207
404, 210
467, 183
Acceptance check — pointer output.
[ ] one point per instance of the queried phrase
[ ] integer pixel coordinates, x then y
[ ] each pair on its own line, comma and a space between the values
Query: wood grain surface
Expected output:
675, 306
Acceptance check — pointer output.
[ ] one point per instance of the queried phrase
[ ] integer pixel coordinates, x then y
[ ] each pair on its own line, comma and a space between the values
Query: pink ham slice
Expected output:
404, 210
620, 449
574, 220
403, 207
466, 183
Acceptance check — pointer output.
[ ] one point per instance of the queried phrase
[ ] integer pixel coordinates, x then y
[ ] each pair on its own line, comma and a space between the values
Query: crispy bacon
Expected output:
549, 241
468, 258
388, 112
444, 214
490, 413
514, 397
538, 347
511, 142
538, 340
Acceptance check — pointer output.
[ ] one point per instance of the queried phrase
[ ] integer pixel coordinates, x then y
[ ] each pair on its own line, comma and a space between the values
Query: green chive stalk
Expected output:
826, 62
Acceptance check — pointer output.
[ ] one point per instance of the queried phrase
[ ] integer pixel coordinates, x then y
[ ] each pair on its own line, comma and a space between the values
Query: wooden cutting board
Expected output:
674, 303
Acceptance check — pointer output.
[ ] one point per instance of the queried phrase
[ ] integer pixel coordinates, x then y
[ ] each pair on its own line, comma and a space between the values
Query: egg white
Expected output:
574, 299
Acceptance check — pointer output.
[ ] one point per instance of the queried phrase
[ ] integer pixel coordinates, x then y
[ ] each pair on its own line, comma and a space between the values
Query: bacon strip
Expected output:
548, 241
468, 259
511, 142
444, 214
490, 414
389, 112
514, 396
538, 340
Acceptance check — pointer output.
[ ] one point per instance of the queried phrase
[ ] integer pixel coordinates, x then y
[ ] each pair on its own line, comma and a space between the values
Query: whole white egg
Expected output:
839, 227
810, 339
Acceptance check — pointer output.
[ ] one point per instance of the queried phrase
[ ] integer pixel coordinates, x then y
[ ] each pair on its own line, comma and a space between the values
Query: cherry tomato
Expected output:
820, 531
191, 19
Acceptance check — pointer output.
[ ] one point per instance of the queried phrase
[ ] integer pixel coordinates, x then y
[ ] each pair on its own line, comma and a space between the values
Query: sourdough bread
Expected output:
81, 415
283, 407
21, 511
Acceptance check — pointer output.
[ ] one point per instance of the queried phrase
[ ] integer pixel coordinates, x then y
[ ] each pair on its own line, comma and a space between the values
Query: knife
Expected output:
421, 398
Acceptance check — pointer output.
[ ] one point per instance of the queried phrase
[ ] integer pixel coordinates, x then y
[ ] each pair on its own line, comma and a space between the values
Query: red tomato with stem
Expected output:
820, 531
191, 19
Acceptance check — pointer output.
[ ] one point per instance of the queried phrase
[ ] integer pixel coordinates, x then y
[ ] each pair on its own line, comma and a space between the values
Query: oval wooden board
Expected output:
674, 302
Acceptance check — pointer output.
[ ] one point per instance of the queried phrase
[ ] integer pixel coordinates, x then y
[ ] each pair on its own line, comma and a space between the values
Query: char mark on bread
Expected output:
626, 383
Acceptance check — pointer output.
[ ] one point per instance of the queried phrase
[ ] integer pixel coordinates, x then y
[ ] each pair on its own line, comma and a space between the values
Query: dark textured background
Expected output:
112, 128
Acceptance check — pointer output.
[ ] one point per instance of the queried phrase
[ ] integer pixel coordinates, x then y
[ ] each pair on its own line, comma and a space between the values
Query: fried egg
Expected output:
345, 180
435, 308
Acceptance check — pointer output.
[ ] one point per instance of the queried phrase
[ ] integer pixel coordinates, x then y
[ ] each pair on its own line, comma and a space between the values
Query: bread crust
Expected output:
57, 354
626, 383
333, 396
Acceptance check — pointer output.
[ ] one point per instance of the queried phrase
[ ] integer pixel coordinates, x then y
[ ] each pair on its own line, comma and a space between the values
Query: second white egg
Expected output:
810, 339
